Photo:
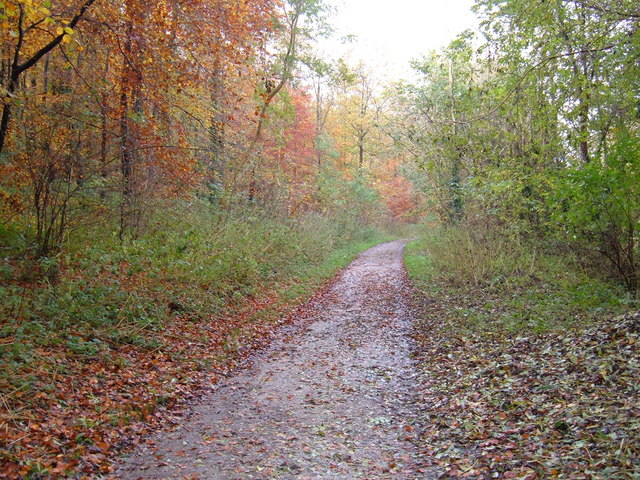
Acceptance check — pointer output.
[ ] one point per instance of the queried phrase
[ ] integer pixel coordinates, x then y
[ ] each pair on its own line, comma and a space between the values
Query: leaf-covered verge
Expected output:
120, 338
530, 374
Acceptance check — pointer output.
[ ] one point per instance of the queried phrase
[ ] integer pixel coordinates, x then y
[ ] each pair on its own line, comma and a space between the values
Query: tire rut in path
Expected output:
331, 400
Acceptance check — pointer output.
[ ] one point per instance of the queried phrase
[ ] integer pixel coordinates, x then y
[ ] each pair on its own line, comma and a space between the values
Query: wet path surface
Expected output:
330, 399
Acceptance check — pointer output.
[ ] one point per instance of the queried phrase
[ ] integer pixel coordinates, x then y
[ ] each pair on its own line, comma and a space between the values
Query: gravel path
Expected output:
332, 398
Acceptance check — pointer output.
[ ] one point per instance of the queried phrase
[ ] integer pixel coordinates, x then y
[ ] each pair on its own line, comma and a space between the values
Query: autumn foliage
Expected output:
154, 157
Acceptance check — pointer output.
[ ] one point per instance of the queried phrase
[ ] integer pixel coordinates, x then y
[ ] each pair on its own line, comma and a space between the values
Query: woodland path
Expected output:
331, 398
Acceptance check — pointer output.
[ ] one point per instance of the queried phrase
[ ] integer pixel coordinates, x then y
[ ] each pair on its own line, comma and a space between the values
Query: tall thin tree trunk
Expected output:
318, 123
126, 141
456, 198
6, 114
216, 127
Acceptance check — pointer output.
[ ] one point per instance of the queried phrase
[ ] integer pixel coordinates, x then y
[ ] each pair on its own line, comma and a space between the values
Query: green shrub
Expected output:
598, 209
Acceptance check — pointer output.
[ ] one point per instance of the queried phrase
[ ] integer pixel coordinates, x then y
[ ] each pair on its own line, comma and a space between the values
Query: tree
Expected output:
110, 115
302, 20
586, 54
358, 112
435, 112
323, 77
25, 35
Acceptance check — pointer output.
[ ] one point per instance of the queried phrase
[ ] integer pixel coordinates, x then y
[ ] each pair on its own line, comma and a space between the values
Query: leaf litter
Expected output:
499, 404
76, 413
338, 396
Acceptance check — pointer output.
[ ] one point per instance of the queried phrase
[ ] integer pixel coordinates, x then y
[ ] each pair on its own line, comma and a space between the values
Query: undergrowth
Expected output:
132, 327
496, 283
193, 262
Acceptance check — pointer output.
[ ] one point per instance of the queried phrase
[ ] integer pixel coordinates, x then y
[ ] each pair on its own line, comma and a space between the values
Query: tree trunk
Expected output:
216, 128
318, 123
129, 96
6, 114
454, 185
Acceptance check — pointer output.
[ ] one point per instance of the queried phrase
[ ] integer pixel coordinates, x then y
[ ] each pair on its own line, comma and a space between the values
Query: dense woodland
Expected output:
176, 174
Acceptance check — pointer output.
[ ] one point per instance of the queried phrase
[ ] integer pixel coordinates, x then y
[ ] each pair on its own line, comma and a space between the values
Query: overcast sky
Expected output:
392, 32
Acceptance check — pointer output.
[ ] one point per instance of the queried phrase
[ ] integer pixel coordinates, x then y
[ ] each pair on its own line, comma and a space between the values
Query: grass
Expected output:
498, 284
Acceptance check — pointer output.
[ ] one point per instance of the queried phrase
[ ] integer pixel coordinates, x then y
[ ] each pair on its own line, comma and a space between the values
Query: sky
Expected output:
389, 33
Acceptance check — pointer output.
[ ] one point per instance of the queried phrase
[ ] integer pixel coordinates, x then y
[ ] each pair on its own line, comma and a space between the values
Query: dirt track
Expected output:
330, 399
